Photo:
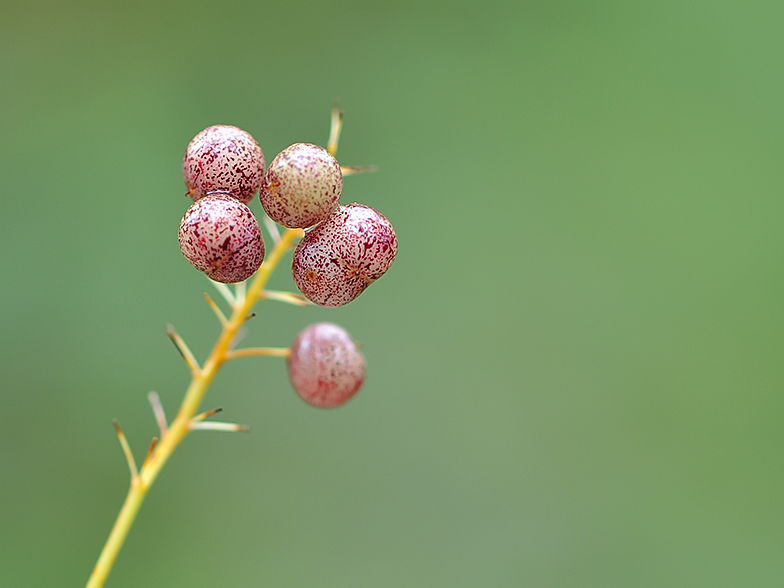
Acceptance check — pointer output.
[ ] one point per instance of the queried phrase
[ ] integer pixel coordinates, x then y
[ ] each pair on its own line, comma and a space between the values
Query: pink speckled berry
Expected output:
325, 366
339, 258
302, 186
223, 159
220, 236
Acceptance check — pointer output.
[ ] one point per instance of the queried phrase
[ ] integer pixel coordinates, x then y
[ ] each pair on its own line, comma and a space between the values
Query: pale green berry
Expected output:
302, 186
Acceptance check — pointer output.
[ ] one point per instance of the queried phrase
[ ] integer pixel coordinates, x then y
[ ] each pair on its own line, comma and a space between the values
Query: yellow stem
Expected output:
181, 425
254, 351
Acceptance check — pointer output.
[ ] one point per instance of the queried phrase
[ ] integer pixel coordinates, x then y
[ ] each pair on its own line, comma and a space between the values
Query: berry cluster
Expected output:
344, 250
219, 235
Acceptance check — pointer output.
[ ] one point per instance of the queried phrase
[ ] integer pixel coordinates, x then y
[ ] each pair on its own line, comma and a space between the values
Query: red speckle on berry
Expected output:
220, 236
223, 159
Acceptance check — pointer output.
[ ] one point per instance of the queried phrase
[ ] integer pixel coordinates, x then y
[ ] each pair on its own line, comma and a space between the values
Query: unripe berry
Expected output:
223, 159
302, 186
339, 258
220, 236
325, 366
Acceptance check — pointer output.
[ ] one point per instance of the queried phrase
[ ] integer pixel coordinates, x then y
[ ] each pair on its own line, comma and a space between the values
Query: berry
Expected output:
223, 159
339, 258
302, 186
220, 236
325, 366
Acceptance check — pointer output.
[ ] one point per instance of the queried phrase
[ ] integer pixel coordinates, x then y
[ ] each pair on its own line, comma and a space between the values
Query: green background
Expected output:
575, 364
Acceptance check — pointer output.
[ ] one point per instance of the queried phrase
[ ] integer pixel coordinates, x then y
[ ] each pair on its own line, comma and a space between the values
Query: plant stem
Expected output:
179, 428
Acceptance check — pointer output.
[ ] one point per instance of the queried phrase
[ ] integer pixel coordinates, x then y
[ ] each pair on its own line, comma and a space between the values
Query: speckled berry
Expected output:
339, 258
302, 186
220, 236
223, 159
325, 366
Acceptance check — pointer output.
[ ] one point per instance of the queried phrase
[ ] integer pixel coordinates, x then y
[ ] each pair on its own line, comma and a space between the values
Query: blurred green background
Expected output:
575, 364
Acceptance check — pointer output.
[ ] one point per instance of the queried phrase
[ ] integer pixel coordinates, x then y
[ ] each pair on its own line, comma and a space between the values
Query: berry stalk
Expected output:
182, 424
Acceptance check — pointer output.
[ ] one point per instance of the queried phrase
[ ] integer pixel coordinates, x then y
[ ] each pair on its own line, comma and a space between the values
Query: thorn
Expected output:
157, 410
216, 309
204, 415
335, 126
239, 292
215, 426
127, 450
185, 352
225, 292
350, 170
272, 228
198, 423
288, 297
149, 451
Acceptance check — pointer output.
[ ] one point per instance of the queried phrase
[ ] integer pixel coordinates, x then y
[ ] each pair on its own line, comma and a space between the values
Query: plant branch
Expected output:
181, 426
254, 351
